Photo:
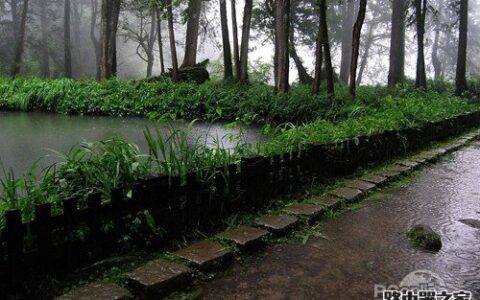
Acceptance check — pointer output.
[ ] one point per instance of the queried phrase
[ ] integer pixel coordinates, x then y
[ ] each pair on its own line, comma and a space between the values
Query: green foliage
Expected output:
102, 166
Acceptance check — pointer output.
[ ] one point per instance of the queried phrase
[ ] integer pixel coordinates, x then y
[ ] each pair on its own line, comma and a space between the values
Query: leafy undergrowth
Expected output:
102, 166
166, 100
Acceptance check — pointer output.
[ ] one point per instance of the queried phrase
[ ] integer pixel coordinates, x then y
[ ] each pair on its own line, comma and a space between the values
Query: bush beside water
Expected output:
101, 166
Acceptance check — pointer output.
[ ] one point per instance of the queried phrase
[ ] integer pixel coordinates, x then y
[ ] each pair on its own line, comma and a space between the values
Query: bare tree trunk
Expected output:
173, 47
303, 76
151, 44
366, 53
191, 39
461, 77
160, 42
282, 23
236, 54
247, 20
317, 79
45, 56
437, 64
396, 73
324, 49
227, 53
20, 45
420, 12
110, 15
78, 57
348, 11
357, 30
93, 38
66, 40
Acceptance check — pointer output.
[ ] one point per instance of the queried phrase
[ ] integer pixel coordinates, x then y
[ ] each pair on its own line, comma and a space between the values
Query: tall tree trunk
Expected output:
78, 56
303, 76
160, 41
151, 44
20, 42
437, 64
396, 73
317, 79
461, 77
366, 53
323, 47
357, 30
110, 16
282, 23
45, 56
348, 11
420, 12
66, 40
227, 53
93, 38
236, 54
191, 39
173, 47
247, 20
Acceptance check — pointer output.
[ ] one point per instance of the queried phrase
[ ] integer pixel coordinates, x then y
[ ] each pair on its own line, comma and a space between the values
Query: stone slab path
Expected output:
368, 246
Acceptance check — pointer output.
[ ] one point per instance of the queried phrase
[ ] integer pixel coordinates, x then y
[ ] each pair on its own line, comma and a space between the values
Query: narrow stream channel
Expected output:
367, 247
26, 137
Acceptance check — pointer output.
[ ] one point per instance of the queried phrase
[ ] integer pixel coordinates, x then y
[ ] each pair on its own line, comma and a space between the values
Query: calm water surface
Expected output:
25, 137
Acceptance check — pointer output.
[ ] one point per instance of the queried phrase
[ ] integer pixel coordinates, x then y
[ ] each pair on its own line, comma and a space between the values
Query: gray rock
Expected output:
472, 223
424, 237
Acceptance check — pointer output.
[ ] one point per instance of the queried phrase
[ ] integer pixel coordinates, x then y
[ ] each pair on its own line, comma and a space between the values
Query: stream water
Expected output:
26, 137
367, 247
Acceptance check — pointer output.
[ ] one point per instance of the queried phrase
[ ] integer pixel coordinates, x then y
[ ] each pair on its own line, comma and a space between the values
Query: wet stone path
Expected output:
367, 246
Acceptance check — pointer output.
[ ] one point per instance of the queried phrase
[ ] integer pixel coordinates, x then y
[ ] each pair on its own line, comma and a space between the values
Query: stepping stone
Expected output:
377, 179
277, 224
328, 201
97, 291
360, 185
440, 151
244, 237
205, 254
346, 193
390, 174
305, 210
409, 163
158, 278
400, 169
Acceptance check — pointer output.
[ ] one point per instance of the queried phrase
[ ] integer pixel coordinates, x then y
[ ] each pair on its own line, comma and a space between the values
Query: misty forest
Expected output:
102, 100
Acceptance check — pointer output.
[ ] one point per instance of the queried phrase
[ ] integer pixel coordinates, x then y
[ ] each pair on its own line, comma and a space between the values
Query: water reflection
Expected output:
25, 137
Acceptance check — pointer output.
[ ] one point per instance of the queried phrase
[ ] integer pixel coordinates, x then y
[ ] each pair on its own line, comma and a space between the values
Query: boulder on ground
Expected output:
424, 237
197, 74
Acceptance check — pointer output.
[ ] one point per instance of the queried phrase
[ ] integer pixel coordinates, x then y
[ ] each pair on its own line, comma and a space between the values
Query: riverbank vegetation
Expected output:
104, 165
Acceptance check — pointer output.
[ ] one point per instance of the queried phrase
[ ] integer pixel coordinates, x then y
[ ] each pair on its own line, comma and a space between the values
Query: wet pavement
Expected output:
367, 247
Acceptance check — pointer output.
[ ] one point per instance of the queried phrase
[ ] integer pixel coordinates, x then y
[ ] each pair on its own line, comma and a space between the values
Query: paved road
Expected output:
368, 246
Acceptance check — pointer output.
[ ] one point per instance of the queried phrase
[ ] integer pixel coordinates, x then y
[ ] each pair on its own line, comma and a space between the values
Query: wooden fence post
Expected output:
14, 234
43, 218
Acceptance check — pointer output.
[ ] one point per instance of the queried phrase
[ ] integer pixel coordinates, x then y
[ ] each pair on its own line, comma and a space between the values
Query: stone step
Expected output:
158, 278
327, 201
401, 169
364, 186
409, 163
101, 290
390, 174
346, 193
206, 254
277, 224
305, 210
244, 237
376, 179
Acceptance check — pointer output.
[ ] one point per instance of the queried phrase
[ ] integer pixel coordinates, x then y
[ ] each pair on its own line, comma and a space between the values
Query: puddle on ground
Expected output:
368, 246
